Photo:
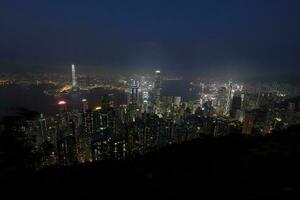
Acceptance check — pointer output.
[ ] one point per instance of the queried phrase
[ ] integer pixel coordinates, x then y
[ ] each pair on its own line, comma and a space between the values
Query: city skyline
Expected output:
132, 116
150, 99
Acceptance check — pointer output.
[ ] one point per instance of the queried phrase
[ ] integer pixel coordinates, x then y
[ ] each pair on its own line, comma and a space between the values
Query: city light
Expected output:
150, 99
66, 88
98, 108
62, 103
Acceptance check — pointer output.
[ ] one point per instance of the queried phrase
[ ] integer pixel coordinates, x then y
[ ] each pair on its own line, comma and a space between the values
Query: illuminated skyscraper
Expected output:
134, 93
145, 101
74, 81
157, 88
62, 117
227, 109
43, 129
85, 105
62, 105
222, 101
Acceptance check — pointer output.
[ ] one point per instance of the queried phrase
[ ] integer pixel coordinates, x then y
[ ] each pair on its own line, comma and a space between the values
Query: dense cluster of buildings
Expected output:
150, 120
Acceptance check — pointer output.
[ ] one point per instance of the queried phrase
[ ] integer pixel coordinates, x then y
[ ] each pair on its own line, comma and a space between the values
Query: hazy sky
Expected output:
231, 36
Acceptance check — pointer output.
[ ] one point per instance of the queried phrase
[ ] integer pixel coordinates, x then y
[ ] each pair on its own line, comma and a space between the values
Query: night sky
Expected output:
213, 36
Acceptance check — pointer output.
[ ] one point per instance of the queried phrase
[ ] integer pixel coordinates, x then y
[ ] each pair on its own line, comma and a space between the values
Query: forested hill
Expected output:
234, 167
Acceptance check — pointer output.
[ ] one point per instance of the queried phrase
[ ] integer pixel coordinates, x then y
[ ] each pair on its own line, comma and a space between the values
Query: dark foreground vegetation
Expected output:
234, 167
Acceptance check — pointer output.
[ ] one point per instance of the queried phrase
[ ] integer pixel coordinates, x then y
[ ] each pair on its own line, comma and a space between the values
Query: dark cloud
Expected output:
241, 37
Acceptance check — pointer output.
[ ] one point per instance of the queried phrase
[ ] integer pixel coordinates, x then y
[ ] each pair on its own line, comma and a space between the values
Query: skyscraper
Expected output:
145, 101
74, 81
248, 123
227, 110
157, 88
134, 93
236, 104
62, 105
43, 129
222, 101
85, 105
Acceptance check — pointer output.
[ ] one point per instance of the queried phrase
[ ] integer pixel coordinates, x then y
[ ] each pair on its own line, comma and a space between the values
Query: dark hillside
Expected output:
226, 167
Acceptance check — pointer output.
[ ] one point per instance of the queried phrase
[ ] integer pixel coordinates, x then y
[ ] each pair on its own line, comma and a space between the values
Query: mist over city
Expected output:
150, 99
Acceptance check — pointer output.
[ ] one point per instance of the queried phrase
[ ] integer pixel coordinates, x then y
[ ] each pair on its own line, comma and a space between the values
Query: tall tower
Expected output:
85, 105
227, 110
157, 88
43, 129
236, 104
145, 102
74, 81
134, 93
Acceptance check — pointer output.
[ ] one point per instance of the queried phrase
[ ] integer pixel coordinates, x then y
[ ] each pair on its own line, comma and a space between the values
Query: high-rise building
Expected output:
227, 109
134, 93
88, 122
177, 101
220, 127
145, 101
105, 102
62, 105
43, 129
85, 105
67, 150
157, 89
222, 101
248, 123
236, 105
74, 80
